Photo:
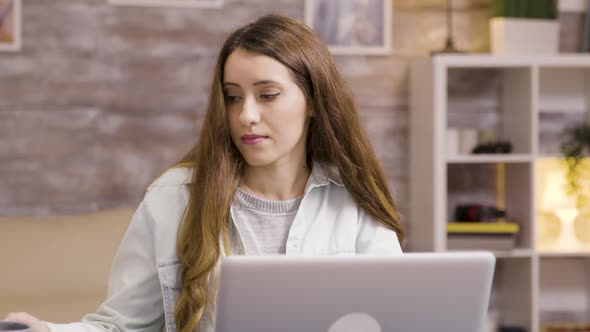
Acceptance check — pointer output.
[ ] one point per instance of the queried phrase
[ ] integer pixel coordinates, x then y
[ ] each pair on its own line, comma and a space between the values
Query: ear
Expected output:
310, 112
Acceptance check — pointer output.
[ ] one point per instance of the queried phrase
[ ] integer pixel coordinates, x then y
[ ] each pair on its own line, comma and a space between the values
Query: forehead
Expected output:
246, 67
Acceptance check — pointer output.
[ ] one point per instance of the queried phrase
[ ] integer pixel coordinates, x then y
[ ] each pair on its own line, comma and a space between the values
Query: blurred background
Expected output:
99, 97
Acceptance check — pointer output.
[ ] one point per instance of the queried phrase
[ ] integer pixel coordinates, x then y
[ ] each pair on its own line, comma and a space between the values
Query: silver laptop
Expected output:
420, 292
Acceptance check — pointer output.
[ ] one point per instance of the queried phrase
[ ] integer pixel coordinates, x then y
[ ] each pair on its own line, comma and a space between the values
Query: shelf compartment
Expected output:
564, 102
492, 101
553, 130
564, 290
564, 89
559, 236
479, 183
512, 292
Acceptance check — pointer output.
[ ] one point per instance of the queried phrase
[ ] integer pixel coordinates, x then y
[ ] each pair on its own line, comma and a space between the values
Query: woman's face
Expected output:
267, 111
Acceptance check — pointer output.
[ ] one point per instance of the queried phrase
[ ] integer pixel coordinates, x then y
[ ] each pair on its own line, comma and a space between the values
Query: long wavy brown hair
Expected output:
335, 136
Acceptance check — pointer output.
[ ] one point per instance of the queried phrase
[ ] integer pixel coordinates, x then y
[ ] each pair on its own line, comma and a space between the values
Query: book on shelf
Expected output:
475, 227
481, 235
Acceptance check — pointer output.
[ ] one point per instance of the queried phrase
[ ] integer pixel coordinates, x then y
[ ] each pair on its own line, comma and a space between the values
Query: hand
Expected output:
28, 319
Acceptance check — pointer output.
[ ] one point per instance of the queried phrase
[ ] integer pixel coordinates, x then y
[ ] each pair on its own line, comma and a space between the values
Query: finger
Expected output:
21, 317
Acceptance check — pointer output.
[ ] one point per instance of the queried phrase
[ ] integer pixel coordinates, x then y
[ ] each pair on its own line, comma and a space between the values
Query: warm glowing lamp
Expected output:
557, 202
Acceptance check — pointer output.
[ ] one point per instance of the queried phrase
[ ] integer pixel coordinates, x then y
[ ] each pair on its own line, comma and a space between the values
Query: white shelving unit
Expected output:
526, 98
491, 158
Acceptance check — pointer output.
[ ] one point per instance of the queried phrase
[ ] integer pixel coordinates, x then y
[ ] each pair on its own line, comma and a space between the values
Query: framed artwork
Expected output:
10, 25
360, 27
170, 3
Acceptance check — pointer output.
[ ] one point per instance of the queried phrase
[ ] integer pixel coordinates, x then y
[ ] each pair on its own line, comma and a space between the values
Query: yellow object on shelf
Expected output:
565, 327
483, 227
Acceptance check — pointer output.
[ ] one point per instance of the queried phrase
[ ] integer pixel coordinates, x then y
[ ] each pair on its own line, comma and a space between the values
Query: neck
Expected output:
276, 182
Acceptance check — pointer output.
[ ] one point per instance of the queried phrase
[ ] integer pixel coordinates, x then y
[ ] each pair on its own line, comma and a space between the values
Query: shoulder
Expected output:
163, 207
168, 196
165, 203
179, 176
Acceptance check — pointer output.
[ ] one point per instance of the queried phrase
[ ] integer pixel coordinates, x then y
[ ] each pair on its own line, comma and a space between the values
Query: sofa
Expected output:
57, 268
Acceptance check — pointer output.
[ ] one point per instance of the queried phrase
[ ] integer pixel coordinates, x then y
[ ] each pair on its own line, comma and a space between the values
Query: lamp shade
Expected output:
555, 196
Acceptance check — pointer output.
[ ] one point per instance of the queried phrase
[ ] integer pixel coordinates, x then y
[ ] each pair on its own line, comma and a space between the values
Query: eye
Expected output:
269, 97
232, 99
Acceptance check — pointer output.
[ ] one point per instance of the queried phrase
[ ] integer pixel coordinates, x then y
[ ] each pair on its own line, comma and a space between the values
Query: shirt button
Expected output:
295, 245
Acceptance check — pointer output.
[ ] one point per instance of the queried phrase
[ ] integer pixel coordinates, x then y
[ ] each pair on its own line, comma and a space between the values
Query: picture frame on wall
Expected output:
10, 25
170, 3
354, 27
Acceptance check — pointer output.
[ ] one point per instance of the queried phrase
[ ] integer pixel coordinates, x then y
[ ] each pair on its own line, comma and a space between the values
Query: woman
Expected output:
282, 167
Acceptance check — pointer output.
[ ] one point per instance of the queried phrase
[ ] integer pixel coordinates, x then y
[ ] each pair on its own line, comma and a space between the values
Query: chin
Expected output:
253, 160
257, 162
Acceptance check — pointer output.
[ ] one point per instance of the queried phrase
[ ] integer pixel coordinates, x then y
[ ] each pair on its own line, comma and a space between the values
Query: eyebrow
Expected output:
263, 82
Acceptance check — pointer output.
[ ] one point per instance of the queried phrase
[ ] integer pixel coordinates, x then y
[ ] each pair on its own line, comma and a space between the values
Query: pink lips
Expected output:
252, 139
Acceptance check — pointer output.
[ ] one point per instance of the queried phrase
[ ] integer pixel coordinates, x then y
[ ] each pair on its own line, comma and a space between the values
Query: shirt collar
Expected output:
321, 175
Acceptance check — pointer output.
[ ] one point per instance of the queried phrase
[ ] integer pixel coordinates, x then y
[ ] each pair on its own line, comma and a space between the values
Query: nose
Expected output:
250, 114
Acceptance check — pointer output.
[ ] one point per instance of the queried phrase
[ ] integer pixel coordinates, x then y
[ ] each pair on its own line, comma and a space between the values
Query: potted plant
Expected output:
524, 27
574, 150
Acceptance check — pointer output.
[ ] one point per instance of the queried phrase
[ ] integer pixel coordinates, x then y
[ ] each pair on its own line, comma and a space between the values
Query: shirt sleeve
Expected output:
374, 238
134, 299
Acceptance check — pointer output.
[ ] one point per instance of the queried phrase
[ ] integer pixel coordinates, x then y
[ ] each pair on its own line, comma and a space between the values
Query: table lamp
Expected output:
556, 220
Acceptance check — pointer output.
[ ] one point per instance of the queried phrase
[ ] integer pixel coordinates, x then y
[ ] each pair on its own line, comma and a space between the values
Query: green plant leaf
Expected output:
538, 9
574, 149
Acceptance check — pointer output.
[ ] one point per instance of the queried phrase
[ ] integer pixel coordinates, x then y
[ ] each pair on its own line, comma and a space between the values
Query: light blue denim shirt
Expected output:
144, 283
